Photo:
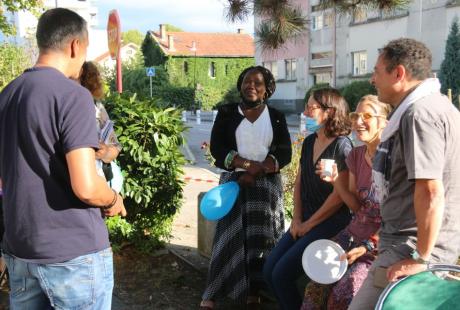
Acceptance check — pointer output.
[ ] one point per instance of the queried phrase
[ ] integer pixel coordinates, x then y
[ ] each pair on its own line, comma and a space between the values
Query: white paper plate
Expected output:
321, 261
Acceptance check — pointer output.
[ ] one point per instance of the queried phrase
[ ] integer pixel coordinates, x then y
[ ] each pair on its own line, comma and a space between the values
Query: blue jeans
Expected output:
85, 282
283, 266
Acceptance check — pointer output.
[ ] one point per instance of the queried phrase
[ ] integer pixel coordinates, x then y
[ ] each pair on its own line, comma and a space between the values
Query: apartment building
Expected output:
26, 23
340, 48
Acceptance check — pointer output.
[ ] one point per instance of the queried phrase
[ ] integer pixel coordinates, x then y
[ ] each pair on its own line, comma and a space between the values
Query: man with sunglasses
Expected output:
415, 175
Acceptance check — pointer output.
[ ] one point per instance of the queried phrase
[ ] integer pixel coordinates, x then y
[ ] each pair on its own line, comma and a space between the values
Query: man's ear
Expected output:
74, 47
400, 72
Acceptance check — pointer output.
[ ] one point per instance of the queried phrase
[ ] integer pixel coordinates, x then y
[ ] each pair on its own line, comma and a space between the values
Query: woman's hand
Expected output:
305, 227
354, 254
295, 228
103, 153
330, 179
269, 165
255, 168
246, 180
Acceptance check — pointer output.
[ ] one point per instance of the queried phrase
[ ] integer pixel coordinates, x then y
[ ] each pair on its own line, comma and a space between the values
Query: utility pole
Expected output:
193, 49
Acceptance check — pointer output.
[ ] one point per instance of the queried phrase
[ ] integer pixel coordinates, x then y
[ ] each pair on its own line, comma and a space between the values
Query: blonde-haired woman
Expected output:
359, 238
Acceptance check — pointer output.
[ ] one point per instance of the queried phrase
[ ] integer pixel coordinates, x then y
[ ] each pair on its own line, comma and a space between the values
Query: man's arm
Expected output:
429, 208
88, 186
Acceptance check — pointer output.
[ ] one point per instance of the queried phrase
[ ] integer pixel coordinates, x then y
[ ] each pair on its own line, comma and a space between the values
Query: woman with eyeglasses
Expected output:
319, 212
359, 237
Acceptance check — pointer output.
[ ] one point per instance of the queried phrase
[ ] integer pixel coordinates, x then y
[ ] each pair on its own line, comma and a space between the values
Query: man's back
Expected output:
43, 116
425, 147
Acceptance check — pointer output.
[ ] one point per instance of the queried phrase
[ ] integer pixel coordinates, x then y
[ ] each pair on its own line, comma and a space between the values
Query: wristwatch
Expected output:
418, 258
246, 164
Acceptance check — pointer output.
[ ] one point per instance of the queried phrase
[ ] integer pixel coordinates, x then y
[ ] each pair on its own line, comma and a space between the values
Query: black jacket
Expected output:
223, 138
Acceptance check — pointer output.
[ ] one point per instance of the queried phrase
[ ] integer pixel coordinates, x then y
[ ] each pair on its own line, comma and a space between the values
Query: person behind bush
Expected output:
90, 78
319, 212
359, 238
416, 175
251, 141
56, 244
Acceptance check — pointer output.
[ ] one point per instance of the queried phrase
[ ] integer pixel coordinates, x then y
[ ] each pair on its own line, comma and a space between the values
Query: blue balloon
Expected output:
218, 201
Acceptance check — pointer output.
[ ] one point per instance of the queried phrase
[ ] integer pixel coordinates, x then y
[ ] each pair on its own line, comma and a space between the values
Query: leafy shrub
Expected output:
315, 87
355, 91
151, 165
168, 96
289, 174
209, 97
232, 95
13, 61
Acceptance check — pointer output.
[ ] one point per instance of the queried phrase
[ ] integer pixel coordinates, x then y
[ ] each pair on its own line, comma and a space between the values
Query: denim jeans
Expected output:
85, 282
283, 266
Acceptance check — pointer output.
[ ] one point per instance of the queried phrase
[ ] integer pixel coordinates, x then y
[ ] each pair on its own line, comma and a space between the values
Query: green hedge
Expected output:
313, 88
213, 90
355, 91
151, 164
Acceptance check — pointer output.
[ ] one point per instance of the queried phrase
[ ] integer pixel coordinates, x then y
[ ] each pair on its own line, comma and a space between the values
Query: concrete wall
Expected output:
288, 93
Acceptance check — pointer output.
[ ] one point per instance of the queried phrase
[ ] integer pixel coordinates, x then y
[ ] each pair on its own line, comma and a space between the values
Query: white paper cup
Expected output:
327, 167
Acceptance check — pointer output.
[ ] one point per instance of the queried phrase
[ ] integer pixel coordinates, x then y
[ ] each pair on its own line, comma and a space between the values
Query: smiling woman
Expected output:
251, 142
359, 237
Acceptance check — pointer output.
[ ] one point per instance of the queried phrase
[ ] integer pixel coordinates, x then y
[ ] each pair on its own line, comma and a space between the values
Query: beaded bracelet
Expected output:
229, 159
114, 200
369, 245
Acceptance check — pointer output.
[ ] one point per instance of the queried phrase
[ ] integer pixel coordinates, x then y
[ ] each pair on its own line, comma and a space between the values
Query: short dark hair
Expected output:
57, 26
411, 54
338, 123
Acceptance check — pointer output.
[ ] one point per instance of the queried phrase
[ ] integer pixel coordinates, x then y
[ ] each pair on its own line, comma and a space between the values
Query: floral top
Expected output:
366, 221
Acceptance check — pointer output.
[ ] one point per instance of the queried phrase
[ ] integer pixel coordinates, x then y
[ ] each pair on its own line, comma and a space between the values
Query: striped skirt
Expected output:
244, 238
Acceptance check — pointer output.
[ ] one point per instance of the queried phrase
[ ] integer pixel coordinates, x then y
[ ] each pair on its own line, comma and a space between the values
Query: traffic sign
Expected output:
150, 71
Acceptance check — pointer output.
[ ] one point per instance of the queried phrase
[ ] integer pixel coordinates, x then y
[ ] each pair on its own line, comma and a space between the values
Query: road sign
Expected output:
114, 34
150, 71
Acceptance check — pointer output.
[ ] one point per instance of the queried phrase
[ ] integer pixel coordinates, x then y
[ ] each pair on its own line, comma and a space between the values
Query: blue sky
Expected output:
189, 15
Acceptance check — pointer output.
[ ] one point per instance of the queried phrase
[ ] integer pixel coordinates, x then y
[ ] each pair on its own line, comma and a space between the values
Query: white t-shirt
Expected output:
253, 140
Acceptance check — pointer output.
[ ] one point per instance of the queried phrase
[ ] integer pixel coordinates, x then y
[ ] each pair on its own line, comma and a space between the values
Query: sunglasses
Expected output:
366, 116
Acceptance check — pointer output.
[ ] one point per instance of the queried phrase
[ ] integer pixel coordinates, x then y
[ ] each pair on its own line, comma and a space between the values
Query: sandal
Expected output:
253, 303
206, 305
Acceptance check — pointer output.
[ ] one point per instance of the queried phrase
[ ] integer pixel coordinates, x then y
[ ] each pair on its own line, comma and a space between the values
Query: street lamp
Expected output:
193, 49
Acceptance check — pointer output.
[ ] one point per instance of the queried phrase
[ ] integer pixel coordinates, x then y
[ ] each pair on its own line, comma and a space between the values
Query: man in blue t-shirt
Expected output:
56, 244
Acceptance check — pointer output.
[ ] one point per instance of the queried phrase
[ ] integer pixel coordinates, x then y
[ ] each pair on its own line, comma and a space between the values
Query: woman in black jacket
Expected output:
251, 142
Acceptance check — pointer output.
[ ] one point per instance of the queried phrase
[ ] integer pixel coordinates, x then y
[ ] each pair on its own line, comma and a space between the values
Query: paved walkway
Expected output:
184, 241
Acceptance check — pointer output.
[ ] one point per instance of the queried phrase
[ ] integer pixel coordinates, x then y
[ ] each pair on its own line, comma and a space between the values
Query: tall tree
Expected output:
282, 21
132, 36
450, 67
172, 28
14, 6
153, 56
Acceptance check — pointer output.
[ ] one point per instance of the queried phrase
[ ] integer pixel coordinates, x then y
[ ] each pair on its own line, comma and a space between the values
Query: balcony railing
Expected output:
322, 62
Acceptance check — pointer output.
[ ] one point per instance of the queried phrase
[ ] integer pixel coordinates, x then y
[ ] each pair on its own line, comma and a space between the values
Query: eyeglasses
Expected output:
310, 109
366, 116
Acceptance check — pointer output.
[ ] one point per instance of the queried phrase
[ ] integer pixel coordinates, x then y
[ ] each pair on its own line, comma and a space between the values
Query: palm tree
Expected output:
281, 21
